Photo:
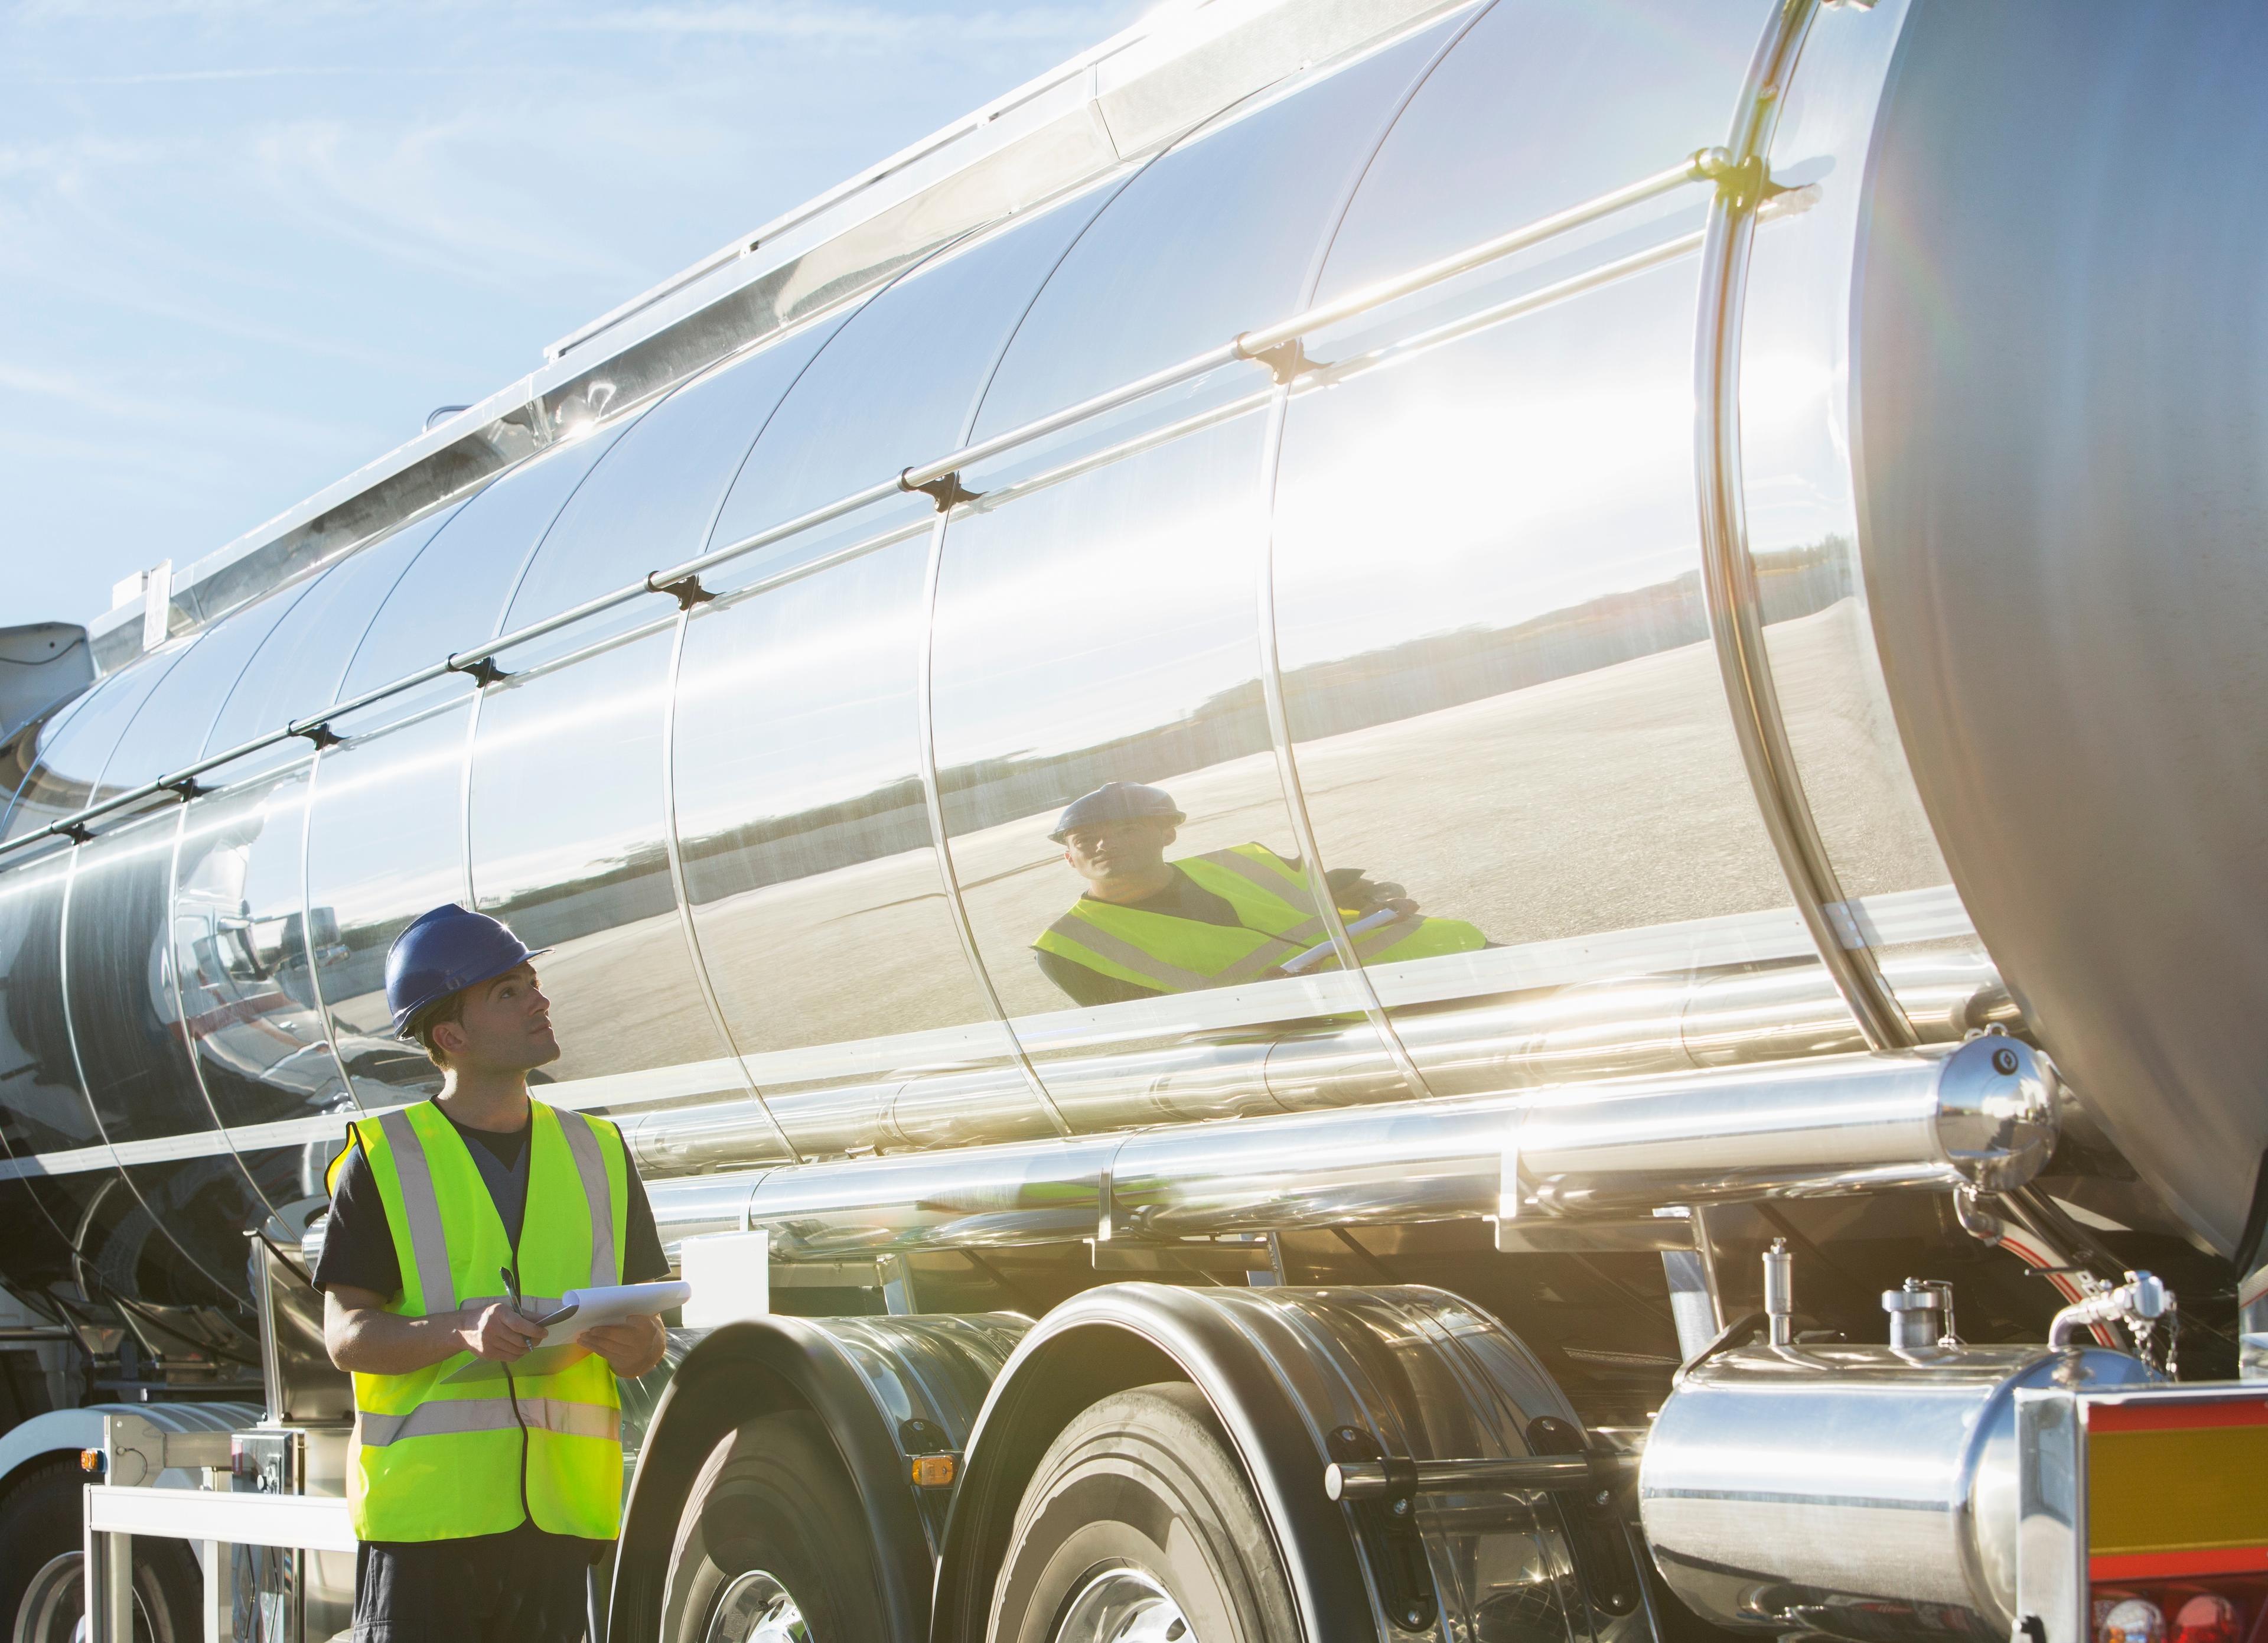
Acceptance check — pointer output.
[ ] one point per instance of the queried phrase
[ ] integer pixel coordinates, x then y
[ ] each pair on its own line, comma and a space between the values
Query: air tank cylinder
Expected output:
1860, 1491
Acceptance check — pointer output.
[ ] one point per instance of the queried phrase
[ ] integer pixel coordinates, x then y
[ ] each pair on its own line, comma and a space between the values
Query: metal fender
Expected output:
1300, 1379
65, 1432
886, 1389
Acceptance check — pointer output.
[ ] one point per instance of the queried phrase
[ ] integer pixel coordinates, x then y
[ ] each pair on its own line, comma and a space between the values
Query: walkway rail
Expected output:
220, 1518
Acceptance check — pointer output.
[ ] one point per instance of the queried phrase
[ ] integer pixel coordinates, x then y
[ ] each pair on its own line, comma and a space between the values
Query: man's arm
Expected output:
362, 1336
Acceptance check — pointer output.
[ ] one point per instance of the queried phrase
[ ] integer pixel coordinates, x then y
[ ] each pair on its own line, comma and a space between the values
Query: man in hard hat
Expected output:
1146, 925
481, 1492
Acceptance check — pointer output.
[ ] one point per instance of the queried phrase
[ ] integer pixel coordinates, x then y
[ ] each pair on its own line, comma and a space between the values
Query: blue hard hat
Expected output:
1117, 801
445, 951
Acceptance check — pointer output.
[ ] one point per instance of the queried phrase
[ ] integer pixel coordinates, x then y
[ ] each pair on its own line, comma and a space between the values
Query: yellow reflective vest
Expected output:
1277, 920
471, 1447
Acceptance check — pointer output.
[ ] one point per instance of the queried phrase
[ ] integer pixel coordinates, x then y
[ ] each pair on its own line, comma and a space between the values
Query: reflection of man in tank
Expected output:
1147, 926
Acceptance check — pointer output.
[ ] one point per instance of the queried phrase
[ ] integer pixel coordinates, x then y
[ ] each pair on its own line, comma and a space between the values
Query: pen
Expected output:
512, 1288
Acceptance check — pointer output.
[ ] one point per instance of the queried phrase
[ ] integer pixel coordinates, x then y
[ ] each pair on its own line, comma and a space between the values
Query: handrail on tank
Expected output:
1263, 346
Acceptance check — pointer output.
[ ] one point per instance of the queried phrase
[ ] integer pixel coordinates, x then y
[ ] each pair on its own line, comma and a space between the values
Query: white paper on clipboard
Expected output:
581, 1309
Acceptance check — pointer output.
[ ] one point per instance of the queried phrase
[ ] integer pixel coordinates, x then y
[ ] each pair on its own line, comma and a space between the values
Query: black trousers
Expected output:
520, 1586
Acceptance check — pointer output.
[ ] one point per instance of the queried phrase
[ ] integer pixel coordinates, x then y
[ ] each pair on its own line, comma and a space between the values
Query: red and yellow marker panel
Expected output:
2176, 1488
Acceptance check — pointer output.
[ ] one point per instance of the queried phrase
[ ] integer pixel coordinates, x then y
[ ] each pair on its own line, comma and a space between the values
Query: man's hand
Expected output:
494, 1330
630, 1349
1356, 892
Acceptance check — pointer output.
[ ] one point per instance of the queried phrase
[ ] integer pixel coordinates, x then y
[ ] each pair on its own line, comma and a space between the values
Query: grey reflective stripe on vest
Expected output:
429, 1243
1096, 939
452, 1417
583, 1142
1074, 927
1309, 931
1379, 938
1258, 962
572, 1420
1285, 888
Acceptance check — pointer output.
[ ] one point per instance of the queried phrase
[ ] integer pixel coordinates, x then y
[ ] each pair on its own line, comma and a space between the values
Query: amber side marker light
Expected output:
90, 1460
933, 1471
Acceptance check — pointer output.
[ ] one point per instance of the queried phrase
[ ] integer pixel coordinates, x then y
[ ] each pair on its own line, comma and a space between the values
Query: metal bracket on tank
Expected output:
1596, 1536
1287, 361
686, 590
1386, 1521
483, 671
1742, 183
945, 491
184, 787
1382, 1490
319, 732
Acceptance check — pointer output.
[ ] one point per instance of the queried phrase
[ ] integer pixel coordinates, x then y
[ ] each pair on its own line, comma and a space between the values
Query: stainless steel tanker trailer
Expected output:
1710, 557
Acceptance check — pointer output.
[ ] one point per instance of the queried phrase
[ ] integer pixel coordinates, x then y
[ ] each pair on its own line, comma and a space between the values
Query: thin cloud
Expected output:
426, 195
133, 470
192, 77
862, 26
791, 19
71, 390
57, 163
185, 10
154, 404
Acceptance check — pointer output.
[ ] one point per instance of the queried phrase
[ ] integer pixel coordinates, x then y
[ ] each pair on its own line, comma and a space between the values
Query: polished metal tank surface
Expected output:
2061, 385
755, 694
1858, 1492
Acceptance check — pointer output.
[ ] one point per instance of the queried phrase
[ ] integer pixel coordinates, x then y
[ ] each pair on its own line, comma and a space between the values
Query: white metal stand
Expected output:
221, 1519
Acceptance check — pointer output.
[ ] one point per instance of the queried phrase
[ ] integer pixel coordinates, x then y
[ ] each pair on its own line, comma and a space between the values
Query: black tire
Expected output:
1142, 1489
775, 1496
42, 1586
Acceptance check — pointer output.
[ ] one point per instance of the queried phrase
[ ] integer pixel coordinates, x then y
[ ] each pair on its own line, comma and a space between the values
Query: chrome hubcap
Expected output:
49, 1611
1123, 1606
53, 1608
758, 1609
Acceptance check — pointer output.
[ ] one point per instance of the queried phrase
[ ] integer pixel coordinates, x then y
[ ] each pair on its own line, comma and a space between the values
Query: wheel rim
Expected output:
757, 1608
49, 1611
54, 1606
1123, 1606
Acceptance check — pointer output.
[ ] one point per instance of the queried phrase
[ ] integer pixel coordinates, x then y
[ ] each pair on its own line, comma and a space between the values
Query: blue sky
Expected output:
247, 244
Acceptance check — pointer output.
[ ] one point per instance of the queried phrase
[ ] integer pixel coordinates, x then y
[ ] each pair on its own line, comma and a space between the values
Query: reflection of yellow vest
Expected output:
435, 1458
1277, 920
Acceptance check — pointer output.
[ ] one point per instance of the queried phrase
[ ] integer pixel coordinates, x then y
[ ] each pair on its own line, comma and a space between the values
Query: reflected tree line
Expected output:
1389, 684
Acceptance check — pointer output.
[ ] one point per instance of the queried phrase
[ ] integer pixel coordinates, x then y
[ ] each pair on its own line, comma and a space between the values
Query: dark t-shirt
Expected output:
1183, 898
358, 1242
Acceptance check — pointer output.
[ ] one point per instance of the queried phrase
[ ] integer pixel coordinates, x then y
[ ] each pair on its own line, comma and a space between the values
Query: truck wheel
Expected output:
1138, 1526
42, 1577
773, 1547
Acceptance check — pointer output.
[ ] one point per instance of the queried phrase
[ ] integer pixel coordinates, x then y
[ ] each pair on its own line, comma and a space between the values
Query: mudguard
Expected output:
1300, 1378
885, 1388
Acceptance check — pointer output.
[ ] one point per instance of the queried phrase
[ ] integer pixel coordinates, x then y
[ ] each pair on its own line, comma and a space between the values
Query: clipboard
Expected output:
579, 1310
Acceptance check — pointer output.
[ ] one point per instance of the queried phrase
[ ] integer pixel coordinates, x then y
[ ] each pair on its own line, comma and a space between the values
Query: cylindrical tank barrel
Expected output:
1867, 1493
